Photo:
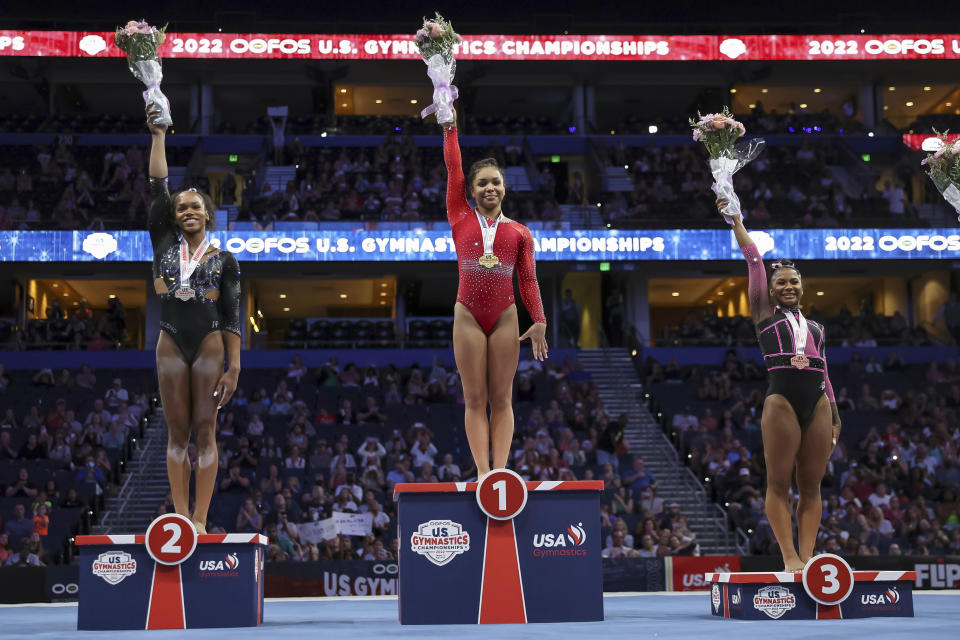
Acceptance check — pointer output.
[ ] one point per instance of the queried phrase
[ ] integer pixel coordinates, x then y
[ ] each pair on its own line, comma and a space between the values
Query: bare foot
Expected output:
200, 527
793, 566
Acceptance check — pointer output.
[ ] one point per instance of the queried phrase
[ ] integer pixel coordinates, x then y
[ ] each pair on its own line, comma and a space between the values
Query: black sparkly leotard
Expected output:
189, 321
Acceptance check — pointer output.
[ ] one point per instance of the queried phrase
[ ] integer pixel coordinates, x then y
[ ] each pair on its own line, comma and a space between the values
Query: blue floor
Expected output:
648, 616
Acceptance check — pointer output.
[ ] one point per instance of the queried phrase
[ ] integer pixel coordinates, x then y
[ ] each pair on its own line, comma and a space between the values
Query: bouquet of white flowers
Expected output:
140, 41
436, 40
718, 132
943, 167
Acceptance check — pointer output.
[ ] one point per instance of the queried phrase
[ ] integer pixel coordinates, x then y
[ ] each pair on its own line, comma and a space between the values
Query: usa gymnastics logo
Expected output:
440, 541
114, 566
774, 601
888, 600
569, 543
220, 568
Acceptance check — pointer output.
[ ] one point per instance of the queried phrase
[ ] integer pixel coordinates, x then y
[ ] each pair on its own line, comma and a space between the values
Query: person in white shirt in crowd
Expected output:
116, 394
880, 497
618, 549
371, 451
685, 420
423, 450
351, 486
448, 471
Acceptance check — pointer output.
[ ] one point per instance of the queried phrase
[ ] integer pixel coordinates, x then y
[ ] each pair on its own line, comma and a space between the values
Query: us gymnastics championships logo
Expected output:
440, 541
114, 566
774, 600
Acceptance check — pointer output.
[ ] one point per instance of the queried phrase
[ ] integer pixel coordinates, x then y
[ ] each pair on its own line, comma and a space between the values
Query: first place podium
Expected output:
503, 551
171, 578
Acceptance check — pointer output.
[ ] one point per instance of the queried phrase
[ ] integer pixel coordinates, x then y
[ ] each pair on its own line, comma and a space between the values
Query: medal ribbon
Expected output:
188, 264
489, 231
800, 330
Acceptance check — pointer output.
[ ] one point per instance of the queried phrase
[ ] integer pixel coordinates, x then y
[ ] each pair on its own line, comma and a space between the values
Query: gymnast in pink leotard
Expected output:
486, 340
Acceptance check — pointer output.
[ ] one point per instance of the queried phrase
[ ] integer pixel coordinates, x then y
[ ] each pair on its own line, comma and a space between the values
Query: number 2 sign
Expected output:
171, 539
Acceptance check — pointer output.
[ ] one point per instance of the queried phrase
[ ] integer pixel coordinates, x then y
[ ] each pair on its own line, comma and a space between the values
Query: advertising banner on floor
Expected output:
340, 578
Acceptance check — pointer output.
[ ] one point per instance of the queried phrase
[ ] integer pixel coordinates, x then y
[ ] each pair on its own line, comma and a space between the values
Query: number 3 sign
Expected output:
171, 539
828, 579
502, 494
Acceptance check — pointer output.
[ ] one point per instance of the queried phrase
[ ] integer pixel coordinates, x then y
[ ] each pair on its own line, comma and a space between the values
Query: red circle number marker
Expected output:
171, 539
828, 579
502, 494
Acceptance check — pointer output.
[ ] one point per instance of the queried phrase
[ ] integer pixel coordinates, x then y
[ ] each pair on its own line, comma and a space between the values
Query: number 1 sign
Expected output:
502, 494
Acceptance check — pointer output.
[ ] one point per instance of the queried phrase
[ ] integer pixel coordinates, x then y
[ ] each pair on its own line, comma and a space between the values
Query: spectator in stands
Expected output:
23, 487
98, 409
617, 547
400, 473
86, 379
115, 437
7, 451
19, 527
371, 413
115, 395
448, 472
639, 478
41, 521
371, 451
89, 473
423, 449
32, 450
249, 519
296, 369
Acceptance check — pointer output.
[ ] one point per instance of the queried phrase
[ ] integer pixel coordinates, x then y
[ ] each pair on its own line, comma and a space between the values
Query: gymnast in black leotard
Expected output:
800, 423
199, 289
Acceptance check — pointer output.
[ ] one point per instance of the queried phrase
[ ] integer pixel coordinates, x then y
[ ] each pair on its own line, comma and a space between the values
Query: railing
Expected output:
131, 484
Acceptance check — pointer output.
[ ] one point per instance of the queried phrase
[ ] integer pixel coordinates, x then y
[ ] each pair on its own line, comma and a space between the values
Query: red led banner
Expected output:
99, 44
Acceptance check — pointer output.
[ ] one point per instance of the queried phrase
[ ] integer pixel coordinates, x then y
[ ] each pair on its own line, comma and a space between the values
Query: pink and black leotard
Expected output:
487, 292
801, 387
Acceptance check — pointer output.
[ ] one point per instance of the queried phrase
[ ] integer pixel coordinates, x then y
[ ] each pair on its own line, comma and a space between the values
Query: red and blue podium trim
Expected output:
508, 574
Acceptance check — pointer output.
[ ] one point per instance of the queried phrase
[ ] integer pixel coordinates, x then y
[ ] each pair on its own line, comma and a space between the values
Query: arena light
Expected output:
343, 296
112, 296
710, 301
323, 134
870, 134
572, 129
253, 323
413, 101
283, 296
378, 101
634, 353
343, 90
233, 157
259, 313
383, 284
927, 88
909, 103
803, 105
865, 157
891, 88
653, 128
764, 90
383, 294
343, 104
820, 293
817, 90
554, 159
675, 294
286, 308
752, 106
604, 266
948, 104
733, 90
55, 285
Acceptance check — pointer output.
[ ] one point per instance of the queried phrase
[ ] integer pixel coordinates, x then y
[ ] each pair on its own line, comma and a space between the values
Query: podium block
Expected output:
219, 585
782, 596
540, 563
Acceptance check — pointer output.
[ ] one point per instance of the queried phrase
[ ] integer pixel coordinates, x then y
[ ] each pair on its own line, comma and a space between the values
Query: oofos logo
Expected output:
273, 45
919, 243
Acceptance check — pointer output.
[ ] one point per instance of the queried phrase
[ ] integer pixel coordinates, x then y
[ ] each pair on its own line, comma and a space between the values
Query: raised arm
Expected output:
159, 220
757, 275
530, 292
457, 205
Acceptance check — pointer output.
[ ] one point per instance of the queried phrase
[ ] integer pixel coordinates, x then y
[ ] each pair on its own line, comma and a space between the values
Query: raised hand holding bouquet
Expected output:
140, 41
718, 132
436, 40
943, 167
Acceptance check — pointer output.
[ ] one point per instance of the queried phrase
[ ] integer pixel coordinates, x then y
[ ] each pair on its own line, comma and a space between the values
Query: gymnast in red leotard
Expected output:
486, 335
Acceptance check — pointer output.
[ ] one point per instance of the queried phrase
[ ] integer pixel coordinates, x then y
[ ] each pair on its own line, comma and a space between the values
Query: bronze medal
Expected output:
800, 361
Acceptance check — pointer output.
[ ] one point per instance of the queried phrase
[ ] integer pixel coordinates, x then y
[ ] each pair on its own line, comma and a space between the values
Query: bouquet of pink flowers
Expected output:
719, 132
140, 41
943, 167
436, 40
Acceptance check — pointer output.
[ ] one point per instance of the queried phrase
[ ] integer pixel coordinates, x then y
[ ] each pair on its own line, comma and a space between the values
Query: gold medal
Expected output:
489, 260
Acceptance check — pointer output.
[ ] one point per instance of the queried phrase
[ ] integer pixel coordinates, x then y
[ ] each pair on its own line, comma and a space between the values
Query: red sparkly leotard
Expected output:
487, 292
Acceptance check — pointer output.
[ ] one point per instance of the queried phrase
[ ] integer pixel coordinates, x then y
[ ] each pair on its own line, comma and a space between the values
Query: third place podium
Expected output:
503, 551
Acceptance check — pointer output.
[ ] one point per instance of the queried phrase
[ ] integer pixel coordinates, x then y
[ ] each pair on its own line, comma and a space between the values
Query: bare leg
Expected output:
503, 354
173, 375
816, 445
205, 372
470, 352
781, 440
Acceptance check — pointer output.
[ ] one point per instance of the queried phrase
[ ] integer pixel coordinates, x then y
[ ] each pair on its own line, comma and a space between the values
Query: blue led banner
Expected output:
423, 245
